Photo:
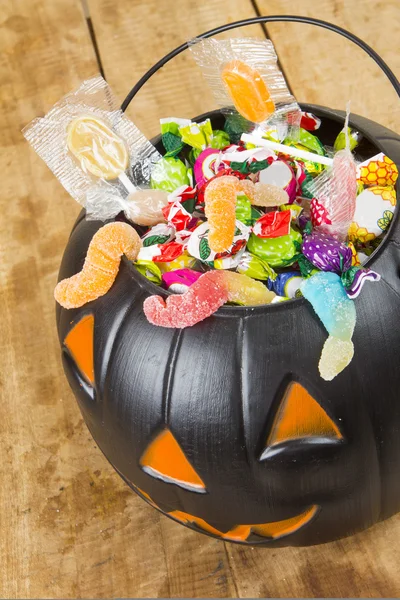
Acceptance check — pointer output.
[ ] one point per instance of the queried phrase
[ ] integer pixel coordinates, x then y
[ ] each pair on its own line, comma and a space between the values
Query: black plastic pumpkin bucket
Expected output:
186, 416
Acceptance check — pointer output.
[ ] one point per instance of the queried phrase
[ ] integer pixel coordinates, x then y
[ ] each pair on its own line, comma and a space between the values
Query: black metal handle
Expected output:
253, 21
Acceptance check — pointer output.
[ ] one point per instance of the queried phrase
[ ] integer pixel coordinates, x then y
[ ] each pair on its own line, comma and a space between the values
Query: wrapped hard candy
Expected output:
374, 212
326, 252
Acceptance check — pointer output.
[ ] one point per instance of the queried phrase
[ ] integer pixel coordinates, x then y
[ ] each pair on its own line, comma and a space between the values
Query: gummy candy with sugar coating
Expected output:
201, 300
328, 298
101, 265
220, 210
245, 290
337, 312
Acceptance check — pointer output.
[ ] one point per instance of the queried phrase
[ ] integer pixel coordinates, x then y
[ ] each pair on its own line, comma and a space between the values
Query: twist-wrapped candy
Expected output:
281, 175
353, 136
274, 224
286, 284
159, 234
377, 170
180, 280
373, 215
177, 216
199, 247
161, 252
326, 253
149, 270
168, 174
309, 121
278, 252
206, 165
255, 267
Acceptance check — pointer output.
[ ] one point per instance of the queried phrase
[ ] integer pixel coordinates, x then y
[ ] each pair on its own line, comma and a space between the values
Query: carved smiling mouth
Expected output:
241, 533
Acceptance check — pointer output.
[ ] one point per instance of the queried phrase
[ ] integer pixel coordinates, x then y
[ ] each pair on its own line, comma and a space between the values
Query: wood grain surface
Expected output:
70, 528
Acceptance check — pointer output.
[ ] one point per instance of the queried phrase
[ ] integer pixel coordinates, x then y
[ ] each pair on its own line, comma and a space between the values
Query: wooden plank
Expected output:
133, 35
324, 68
70, 527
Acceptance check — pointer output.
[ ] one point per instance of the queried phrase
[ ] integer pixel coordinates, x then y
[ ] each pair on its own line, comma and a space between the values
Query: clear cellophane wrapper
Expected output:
212, 55
102, 198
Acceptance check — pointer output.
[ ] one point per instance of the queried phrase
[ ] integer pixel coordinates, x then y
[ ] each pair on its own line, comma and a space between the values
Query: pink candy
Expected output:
201, 300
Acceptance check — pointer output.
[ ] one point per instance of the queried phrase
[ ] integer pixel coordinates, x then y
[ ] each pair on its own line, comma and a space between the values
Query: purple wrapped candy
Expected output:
326, 252
180, 280
360, 277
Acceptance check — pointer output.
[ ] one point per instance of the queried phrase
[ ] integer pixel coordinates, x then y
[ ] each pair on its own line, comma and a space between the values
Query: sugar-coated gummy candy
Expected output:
280, 174
336, 355
97, 147
245, 290
220, 207
326, 294
263, 194
200, 301
248, 91
101, 265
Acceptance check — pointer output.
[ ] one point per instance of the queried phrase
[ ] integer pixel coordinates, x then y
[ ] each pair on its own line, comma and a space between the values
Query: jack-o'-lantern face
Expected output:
297, 419
227, 426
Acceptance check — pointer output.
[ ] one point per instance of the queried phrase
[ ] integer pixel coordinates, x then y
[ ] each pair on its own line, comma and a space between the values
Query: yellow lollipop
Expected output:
98, 148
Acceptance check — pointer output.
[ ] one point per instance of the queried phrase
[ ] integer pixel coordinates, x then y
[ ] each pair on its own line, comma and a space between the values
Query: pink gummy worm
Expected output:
201, 300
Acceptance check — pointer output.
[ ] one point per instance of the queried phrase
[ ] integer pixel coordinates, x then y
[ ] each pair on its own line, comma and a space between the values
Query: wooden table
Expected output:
69, 526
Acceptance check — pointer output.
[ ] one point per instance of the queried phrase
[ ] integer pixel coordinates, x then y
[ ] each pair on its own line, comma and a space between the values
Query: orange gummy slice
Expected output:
220, 209
248, 91
98, 148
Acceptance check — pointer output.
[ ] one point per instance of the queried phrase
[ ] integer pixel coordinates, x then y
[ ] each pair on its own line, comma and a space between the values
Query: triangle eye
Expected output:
79, 342
164, 459
300, 417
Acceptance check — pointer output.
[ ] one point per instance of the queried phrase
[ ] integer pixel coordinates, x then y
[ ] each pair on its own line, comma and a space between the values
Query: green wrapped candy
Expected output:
340, 142
243, 209
168, 174
149, 270
245, 212
279, 251
170, 136
255, 267
311, 142
197, 135
220, 139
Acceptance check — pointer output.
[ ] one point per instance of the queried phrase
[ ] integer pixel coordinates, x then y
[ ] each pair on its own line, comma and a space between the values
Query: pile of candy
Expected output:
255, 213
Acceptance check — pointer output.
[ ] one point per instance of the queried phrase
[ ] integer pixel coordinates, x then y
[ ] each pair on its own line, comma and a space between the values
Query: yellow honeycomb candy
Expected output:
380, 170
360, 234
355, 262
